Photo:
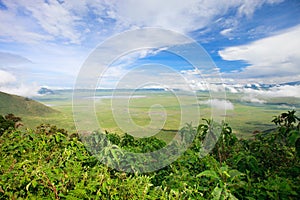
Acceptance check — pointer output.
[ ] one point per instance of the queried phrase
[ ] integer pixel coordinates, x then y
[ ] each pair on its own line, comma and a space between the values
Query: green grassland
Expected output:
34, 113
56, 109
245, 118
22, 106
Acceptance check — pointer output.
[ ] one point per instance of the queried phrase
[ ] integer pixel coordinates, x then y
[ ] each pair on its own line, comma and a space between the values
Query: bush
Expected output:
9, 121
47, 163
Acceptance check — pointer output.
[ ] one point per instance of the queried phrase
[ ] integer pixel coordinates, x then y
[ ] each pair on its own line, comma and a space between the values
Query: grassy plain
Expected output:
245, 118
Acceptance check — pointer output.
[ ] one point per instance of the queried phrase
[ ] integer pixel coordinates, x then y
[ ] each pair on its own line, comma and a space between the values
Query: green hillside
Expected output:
22, 106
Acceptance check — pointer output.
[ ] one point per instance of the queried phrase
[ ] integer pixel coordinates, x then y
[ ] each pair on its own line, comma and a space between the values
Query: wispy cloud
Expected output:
226, 32
71, 21
9, 59
184, 17
36, 21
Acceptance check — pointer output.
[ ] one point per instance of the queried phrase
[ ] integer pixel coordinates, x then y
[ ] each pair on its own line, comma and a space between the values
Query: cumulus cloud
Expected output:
252, 99
220, 104
6, 78
28, 90
274, 56
9, 84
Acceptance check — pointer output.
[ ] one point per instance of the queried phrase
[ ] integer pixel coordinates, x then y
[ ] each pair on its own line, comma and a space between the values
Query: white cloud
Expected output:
36, 21
248, 7
21, 90
131, 57
182, 16
205, 79
122, 65
6, 78
50, 26
279, 91
274, 56
10, 84
71, 20
226, 32
219, 104
126, 49
231, 89
54, 18
252, 99
24, 28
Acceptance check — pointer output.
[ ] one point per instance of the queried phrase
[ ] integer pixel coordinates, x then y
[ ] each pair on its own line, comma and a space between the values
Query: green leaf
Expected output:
34, 183
226, 174
209, 173
250, 198
216, 193
232, 197
235, 173
293, 137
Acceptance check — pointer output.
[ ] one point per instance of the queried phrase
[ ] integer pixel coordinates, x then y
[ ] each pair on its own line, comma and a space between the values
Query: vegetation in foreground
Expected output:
50, 164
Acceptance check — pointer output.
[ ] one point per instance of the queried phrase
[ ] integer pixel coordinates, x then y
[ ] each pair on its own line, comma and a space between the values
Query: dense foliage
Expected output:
49, 163
9, 121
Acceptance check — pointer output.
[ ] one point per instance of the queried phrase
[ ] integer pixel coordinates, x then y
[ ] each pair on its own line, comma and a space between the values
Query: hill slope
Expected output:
22, 106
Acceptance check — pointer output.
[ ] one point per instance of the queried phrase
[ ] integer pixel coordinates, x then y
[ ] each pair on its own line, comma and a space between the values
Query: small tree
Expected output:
289, 129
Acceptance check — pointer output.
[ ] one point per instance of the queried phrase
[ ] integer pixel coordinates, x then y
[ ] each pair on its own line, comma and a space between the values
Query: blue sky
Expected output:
44, 43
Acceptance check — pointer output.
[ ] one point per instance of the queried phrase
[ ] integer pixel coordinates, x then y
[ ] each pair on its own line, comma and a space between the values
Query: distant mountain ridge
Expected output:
255, 86
267, 86
22, 106
291, 83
